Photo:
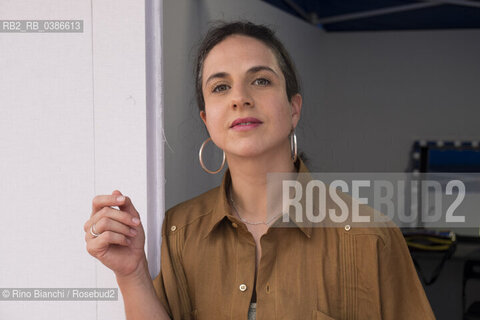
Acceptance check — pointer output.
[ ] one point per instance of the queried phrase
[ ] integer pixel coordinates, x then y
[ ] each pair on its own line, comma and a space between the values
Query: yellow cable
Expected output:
428, 248
432, 239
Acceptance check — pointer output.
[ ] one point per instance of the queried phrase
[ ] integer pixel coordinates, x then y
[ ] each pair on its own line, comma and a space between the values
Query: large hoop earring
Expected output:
293, 146
200, 157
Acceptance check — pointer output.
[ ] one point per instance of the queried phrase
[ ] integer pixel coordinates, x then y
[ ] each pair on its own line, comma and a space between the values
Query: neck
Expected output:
249, 182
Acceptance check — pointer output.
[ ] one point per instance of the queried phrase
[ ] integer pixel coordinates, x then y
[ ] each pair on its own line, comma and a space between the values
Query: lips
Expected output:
249, 121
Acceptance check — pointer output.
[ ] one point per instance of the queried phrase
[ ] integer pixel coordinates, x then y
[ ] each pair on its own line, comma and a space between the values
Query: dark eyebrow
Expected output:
220, 75
254, 69
261, 68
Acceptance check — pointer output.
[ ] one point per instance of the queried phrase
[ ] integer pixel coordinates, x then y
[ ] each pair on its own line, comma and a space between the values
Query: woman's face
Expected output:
247, 112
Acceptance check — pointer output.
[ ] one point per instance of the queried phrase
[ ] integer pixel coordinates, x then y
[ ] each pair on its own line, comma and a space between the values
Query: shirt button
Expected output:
173, 228
234, 225
243, 287
347, 227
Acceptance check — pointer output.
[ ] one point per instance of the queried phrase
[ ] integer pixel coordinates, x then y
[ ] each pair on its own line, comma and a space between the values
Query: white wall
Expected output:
386, 89
72, 125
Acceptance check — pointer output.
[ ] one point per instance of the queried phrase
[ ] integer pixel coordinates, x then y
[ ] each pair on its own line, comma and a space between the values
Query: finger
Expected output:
115, 214
108, 224
117, 193
87, 225
109, 237
96, 245
128, 207
101, 201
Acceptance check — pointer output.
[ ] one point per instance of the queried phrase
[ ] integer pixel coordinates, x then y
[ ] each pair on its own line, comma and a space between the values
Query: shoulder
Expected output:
191, 211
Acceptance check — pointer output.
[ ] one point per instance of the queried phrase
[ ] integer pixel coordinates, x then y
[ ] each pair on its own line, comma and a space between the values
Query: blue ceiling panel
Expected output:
368, 15
334, 8
442, 17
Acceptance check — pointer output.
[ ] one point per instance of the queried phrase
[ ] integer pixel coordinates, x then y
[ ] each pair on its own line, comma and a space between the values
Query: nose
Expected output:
241, 97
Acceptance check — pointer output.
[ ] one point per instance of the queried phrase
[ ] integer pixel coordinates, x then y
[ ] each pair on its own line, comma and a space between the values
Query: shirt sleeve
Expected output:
158, 282
401, 292
170, 284
160, 291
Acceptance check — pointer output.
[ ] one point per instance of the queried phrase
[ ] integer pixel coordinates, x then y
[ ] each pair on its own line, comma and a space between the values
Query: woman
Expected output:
222, 256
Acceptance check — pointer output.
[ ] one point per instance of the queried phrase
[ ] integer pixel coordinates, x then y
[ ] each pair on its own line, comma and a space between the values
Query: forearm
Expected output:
140, 299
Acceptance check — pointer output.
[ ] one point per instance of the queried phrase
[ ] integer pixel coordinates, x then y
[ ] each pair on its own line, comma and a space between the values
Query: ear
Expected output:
203, 115
296, 103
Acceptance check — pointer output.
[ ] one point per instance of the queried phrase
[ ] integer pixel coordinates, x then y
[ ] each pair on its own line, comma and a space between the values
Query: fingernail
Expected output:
120, 198
129, 241
136, 220
133, 231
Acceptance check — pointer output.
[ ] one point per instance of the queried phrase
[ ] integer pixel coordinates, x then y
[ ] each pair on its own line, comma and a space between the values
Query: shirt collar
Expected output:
221, 207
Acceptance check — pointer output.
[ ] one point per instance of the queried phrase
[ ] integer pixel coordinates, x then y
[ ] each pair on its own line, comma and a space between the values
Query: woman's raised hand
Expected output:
116, 237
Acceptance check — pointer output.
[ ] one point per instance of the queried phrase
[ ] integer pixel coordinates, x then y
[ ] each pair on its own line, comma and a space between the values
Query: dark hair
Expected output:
222, 30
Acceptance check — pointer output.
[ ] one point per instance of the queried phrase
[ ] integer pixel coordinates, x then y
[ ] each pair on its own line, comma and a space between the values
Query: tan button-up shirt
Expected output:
305, 272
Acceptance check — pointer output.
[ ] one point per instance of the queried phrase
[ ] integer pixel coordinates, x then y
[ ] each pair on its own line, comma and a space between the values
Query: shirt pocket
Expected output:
318, 315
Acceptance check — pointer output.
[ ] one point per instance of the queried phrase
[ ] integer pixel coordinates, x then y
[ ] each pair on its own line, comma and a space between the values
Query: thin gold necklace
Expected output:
266, 222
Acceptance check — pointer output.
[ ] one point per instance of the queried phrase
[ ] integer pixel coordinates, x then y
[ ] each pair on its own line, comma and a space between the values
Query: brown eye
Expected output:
261, 82
220, 88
